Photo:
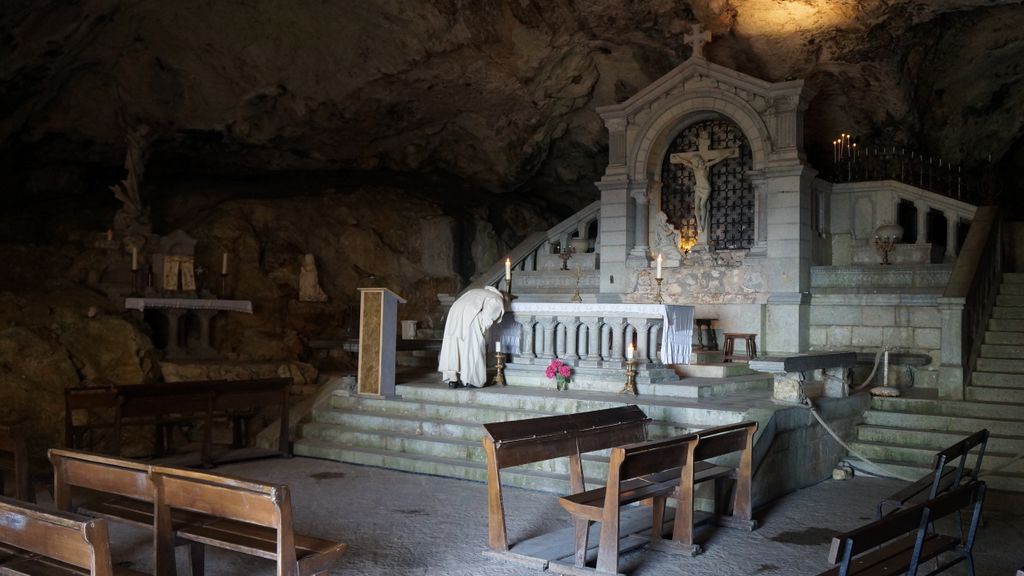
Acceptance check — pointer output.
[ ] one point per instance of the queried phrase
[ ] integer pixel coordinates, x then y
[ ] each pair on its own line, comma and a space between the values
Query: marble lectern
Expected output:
378, 325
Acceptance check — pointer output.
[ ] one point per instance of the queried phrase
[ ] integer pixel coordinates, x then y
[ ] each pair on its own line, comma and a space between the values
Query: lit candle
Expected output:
658, 272
224, 265
497, 346
135, 258
885, 369
508, 268
629, 352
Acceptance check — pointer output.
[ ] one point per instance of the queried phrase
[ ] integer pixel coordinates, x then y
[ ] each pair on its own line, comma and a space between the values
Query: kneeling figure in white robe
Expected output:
464, 348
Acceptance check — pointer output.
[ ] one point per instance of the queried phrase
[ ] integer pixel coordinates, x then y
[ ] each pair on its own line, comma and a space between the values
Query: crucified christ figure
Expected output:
701, 161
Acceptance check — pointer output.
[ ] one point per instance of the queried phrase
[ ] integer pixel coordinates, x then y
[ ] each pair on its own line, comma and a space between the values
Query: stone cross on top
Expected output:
696, 39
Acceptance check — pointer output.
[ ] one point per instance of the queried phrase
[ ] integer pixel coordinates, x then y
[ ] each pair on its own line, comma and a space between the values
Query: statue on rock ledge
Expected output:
309, 281
666, 240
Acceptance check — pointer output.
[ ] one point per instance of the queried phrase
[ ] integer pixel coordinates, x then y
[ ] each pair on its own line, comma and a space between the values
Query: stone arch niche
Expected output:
731, 205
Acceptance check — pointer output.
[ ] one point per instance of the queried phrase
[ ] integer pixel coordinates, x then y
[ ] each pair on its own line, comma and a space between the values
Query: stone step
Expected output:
707, 387
995, 337
997, 379
935, 440
590, 379
1009, 300
1002, 480
1013, 277
948, 408
1008, 312
1011, 288
719, 370
1006, 324
1001, 351
996, 394
923, 456
1005, 365
958, 425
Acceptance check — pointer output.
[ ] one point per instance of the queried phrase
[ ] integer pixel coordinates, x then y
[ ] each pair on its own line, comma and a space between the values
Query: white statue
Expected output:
309, 282
700, 162
666, 237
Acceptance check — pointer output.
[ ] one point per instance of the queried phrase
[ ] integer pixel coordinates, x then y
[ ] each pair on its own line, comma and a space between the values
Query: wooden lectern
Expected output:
378, 338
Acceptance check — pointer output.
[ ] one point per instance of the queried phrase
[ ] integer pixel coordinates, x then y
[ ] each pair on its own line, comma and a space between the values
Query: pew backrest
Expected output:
68, 538
98, 472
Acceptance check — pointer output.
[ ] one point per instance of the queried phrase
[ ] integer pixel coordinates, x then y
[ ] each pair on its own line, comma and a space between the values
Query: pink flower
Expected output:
564, 370
550, 372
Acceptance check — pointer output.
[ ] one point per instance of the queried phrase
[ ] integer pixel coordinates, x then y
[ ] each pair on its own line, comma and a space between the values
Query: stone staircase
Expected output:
902, 434
431, 429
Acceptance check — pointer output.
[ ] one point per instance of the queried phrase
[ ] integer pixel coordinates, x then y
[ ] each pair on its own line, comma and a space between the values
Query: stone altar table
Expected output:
788, 372
589, 334
176, 308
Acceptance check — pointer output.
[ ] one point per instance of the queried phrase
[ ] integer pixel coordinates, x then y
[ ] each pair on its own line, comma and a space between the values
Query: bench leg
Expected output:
608, 549
657, 518
582, 541
197, 558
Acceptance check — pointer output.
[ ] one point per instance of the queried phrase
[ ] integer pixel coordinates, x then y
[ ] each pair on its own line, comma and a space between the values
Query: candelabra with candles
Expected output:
630, 385
886, 238
499, 366
565, 255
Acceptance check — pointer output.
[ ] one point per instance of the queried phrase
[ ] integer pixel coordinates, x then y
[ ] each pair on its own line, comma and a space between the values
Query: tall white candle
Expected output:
658, 273
508, 268
135, 258
497, 346
885, 369
629, 352
224, 265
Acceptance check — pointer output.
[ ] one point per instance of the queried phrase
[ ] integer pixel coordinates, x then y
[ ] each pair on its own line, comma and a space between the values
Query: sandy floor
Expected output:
398, 523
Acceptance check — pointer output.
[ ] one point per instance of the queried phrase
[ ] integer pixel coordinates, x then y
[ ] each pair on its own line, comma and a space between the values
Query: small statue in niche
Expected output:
309, 281
666, 237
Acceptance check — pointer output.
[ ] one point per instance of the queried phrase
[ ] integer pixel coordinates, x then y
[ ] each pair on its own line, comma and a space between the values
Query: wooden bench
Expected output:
14, 459
900, 542
637, 472
54, 543
163, 406
241, 515
949, 470
713, 443
537, 439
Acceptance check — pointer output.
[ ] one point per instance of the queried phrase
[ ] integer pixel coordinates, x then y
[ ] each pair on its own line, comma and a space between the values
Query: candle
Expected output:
658, 273
135, 258
224, 265
629, 352
508, 268
497, 346
885, 369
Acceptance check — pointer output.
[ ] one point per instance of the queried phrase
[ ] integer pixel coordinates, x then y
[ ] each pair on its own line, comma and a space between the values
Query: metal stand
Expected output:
576, 297
657, 296
223, 285
630, 385
499, 365
508, 290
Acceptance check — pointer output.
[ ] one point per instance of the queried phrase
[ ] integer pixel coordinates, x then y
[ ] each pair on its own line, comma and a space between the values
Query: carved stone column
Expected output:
951, 236
616, 325
922, 222
642, 353
593, 355
572, 337
548, 351
174, 336
642, 192
526, 349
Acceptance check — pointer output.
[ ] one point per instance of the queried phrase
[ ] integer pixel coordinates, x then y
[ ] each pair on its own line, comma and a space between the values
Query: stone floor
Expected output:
398, 523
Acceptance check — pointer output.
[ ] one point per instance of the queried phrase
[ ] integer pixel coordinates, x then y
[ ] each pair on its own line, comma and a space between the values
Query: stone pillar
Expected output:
526, 349
642, 352
174, 348
593, 340
641, 192
951, 360
951, 225
572, 337
205, 347
922, 222
617, 326
548, 351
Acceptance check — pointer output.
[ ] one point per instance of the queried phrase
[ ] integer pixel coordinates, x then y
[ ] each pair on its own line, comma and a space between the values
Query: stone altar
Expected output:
176, 310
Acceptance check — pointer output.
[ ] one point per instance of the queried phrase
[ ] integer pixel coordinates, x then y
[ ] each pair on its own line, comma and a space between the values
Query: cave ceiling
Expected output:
496, 95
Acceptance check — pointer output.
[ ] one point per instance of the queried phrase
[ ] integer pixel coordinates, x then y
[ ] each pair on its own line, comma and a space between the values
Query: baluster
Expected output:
617, 324
548, 349
529, 326
593, 338
642, 351
572, 327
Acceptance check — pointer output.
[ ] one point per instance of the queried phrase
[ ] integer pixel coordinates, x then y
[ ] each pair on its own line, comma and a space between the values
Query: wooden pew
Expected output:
949, 470
637, 472
900, 542
54, 543
712, 443
161, 406
531, 440
15, 461
250, 517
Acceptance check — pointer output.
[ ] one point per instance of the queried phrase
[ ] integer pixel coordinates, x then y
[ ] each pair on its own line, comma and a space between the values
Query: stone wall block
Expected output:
867, 336
925, 317
879, 315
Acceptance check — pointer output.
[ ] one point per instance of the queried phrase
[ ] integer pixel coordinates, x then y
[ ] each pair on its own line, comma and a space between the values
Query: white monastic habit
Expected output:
464, 348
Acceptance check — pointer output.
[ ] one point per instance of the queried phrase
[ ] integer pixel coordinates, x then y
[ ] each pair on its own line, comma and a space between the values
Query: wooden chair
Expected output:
949, 470
712, 443
14, 459
729, 350
242, 515
900, 542
636, 472
54, 543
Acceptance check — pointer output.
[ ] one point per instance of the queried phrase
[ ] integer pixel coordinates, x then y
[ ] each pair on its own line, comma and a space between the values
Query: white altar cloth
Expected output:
677, 323
142, 304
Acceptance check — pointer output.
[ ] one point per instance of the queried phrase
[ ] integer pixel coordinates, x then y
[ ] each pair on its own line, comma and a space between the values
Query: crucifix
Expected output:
700, 162
696, 39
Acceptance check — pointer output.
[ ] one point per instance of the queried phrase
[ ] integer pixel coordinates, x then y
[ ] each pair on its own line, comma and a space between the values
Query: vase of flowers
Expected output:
560, 372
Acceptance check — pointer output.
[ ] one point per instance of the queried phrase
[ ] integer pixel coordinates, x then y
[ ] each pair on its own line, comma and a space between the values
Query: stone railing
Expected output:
967, 302
859, 208
529, 255
588, 335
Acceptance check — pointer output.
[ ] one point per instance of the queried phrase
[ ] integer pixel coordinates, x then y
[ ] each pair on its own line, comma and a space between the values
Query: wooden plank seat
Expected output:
949, 470
901, 541
245, 516
697, 469
531, 440
636, 472
50, 543
163, 406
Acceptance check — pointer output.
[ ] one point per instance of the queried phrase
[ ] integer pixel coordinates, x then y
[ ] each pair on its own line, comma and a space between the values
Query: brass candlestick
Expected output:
565, 255
499, 365
576, 297
657, 296
630, 385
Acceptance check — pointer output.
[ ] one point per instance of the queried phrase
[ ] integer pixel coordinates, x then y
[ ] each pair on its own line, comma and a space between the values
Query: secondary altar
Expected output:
596, 334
